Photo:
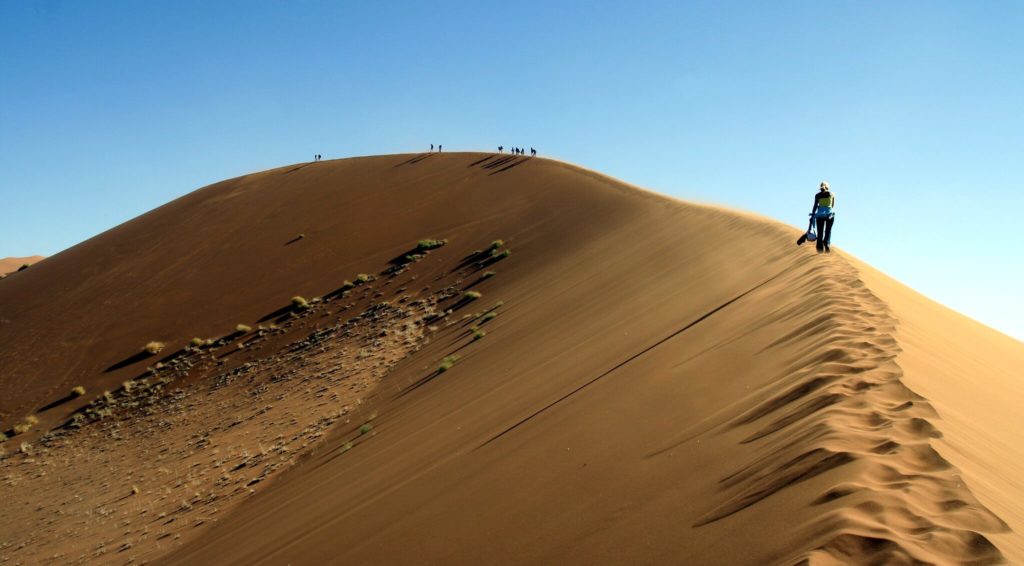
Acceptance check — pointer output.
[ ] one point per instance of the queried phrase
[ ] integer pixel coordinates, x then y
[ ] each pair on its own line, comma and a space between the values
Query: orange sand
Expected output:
663, 383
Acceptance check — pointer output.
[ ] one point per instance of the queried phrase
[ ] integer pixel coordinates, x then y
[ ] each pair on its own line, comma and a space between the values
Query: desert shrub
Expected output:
472, 295
367, 427
495, 245
409, 258
478, 334
488, 316
496, 255
25, 448
362, 278
425, 245
243, 328
154, 347
197, 342
447, 363
78, 391
300, 302
32, 420
488, 274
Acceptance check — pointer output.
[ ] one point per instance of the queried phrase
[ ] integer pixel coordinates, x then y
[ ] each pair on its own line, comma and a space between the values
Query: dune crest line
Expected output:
845, 405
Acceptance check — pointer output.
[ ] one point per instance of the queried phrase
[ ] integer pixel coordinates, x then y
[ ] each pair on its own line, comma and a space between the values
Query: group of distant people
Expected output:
501, 149
317, 157
517, 151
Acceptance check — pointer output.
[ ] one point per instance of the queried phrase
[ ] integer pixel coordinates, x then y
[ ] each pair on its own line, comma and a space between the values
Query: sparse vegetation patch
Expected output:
472, 295
447, 363
78, 391
300, 302
153, 347
243, 328
426, 245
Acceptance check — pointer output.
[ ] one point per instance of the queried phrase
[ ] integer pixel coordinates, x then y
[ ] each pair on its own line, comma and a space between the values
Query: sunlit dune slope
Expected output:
663, 382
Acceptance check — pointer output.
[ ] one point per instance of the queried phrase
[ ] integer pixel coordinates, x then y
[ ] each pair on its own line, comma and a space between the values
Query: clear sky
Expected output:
911, 110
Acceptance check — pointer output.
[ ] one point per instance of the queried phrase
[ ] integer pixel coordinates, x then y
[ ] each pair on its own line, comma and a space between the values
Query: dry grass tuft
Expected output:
243, 328
154, 347
447, 363
426, 245
78, 391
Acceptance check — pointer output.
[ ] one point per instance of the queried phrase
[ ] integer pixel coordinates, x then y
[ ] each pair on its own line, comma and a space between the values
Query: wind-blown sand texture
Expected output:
640, 380
12, 264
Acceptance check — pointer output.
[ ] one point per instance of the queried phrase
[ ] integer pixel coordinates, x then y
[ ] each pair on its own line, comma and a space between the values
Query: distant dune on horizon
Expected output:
11, 264
468, 358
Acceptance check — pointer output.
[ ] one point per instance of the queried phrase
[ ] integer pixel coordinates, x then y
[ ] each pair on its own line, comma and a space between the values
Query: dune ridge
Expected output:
660, 381
844, 404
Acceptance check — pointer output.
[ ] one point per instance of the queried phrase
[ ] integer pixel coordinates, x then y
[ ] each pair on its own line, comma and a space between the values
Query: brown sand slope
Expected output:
11, 264
663, 382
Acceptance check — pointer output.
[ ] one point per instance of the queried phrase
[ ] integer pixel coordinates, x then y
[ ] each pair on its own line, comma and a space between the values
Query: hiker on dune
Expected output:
824, 216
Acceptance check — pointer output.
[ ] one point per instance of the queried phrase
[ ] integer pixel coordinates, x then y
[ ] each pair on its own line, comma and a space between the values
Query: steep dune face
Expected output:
639, 380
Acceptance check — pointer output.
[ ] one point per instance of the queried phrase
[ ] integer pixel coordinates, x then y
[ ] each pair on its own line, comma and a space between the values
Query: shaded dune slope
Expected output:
664, 382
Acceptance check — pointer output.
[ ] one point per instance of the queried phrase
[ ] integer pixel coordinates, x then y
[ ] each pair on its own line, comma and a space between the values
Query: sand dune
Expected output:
639, 380
12, 264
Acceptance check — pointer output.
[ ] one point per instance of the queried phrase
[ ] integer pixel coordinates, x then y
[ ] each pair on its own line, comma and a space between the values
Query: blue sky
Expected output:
911, 110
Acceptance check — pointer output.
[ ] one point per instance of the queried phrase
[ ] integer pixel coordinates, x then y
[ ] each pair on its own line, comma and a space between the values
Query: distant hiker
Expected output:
439, 148
500, 147
533, 152
431, 148
824, 217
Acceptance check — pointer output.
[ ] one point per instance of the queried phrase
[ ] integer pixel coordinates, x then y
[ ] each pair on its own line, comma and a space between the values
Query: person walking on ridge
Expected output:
824, 216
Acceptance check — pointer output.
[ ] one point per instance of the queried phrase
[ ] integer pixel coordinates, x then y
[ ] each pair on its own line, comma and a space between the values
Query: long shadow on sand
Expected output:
414, 160
129, 361
479, 161
507, 167
56, 403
